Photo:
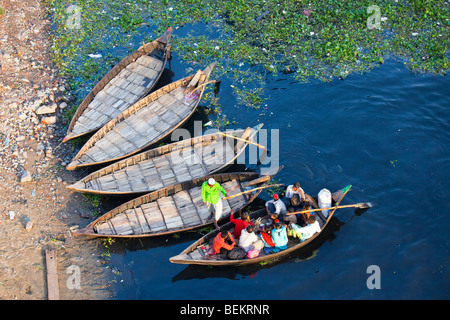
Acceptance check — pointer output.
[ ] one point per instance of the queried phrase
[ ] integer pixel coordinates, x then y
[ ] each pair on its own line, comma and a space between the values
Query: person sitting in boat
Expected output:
290, 218
308, 231
276, 206
211, 198
240, 223
293, 189
274, 218
249, 240
223, 243
295, 202
279, 237
305, 216
266, 238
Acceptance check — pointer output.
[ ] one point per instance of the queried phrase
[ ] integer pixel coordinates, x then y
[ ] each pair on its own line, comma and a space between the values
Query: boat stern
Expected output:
166, 36
73, 165
181, 258
207, 71
76, 186
87, 231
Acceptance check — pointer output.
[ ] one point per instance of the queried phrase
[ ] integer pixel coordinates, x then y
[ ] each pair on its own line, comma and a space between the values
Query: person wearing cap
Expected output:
276, 206
211, 197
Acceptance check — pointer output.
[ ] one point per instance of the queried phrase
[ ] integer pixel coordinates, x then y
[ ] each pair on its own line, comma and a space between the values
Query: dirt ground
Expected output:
36, 209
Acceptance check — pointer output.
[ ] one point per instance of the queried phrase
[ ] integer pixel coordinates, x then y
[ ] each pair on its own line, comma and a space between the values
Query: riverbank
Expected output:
37, 211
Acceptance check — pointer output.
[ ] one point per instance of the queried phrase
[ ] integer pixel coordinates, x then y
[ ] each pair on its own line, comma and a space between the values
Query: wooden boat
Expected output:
175, 208
195, 253
167, 165
131, 79
144, 123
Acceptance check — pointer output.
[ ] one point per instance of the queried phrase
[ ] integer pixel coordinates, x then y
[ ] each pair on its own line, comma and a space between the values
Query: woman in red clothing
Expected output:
240, 224
266, 238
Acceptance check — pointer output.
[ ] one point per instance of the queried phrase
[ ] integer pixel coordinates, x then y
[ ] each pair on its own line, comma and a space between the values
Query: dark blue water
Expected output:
387, 134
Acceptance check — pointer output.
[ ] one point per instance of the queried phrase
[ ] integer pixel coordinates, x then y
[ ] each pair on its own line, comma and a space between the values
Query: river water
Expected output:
387, 134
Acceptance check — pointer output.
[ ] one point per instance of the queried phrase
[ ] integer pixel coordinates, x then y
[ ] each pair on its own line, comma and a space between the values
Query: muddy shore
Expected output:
37, 211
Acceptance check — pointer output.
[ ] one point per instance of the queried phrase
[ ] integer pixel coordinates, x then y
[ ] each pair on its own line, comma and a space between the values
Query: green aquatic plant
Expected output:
94, 199
253, 40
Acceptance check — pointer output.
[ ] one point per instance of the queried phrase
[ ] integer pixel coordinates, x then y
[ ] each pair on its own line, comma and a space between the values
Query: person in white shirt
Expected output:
309, 230
276, 206
295, 189
249, 240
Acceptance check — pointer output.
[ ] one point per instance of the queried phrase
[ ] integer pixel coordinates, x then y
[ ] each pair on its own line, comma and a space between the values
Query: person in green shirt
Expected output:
211, 198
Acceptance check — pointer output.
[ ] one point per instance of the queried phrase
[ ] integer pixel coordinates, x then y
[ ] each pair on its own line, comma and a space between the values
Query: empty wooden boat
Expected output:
175, 208
144, 123
198, 252
170, 164
131, 79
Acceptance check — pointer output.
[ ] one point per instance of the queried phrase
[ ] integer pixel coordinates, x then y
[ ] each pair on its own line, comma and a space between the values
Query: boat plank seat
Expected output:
195, 254
153, 216
133, 221
202, 210
103, 228
217, 153
141, 219
186, 209
121, 225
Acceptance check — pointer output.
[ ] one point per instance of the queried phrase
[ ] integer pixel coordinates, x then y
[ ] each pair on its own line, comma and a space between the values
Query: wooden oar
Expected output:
237, 138
202, 85
259, 188
361, 205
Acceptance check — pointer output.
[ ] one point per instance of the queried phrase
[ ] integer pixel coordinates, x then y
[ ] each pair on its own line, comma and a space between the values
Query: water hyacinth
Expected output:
314, 39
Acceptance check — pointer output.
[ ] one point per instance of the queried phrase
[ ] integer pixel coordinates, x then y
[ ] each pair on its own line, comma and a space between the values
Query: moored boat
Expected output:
175, 208
127, 82
174, 163
197, 253
146, 122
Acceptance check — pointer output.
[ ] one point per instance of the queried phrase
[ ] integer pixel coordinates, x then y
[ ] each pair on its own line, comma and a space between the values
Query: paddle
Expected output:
202, 85
361, 205
259, 188
254, 143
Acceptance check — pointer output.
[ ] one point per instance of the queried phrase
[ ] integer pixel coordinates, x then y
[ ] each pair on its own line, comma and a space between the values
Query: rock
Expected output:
48, 120
85, 215
40, 148
35, 105
46, 109
29, 225
6, 142
62, 105
25, 177
20, 138
49, 152
11, 214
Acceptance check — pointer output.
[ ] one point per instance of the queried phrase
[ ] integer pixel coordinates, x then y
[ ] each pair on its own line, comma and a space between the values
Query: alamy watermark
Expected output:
74, 17
74, 280
374, 280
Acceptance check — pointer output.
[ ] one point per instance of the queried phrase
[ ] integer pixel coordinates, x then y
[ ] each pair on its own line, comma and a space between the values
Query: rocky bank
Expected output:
37, 211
